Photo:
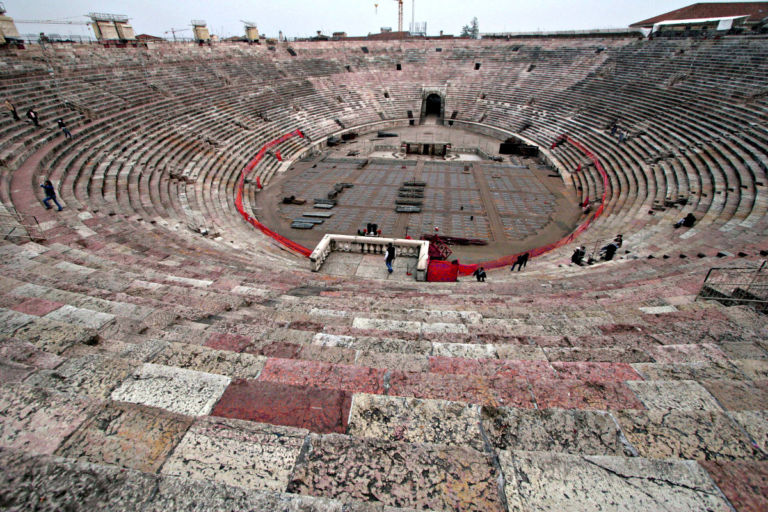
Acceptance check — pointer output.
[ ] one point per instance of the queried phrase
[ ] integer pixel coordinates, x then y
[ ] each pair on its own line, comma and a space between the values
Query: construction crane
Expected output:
174, 30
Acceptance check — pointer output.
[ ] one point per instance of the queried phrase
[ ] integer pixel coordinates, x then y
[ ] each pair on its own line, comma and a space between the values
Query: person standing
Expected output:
68, 134
480, 274
578, 255
12, 109
32, 115
50, 194
389, 256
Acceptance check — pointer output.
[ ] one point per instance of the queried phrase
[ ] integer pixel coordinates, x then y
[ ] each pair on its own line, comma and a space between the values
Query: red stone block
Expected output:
495, 391
37, 307
226, 341
491, 367
355, 379
744, 483
596, 372
579, 394
319, 410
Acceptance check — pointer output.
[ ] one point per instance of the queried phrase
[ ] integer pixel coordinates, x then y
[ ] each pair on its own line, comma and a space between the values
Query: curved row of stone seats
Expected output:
99, 377
616, 220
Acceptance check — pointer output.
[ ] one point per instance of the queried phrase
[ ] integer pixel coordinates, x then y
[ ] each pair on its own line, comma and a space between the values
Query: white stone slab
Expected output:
464, 350
386, 325
78, 316
183, 391
658, 310
332, 340
328, 312
556, 482
197, 283
239, 453
71, 267
440, 327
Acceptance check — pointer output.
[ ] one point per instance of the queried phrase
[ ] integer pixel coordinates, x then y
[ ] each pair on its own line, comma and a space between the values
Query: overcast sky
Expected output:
356, 17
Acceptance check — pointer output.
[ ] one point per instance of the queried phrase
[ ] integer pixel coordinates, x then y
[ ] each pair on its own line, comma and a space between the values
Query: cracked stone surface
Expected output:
53, 483
26, 353
553, 430
202, 359
557, 482
744, 483
756, 425
55, 337
240, 453
318, 410
680, 395
739, 395
127, 435
398, 474
415, 421
37, 420
182, 391
92, 375
702, 435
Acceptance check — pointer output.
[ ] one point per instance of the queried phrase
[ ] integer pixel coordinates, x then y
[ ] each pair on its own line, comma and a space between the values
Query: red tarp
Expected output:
442, 271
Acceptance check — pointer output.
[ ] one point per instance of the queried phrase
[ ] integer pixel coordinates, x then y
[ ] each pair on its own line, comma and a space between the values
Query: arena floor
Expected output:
513, 205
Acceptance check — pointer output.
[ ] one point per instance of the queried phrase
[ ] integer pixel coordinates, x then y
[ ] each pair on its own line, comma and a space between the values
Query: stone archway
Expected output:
432, 106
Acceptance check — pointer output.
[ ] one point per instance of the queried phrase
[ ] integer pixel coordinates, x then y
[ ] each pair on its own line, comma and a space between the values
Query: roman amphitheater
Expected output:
169, 342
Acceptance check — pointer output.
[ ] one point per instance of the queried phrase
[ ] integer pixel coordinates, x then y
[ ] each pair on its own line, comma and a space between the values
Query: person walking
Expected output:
50, 194
389, 256
68, 134
12, 109
480, 274
521, 261
32, 115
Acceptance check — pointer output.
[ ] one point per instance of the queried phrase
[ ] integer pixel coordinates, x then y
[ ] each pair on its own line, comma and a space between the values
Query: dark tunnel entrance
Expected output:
432, 109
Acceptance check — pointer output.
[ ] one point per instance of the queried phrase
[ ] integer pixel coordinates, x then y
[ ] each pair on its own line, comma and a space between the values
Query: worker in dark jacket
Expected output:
50, 194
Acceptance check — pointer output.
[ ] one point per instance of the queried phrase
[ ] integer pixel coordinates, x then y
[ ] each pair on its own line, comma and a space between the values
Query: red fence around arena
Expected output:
504, 261
463, 269
239, 199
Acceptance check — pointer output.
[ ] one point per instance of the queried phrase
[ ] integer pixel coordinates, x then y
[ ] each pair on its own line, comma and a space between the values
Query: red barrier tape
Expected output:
239, 199
504, 261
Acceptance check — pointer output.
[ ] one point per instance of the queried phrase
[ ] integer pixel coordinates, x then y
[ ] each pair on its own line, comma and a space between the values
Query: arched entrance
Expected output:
432, 109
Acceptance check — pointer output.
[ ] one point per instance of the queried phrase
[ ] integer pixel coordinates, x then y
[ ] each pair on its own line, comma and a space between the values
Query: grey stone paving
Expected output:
556, 482
239, 453
415, 421
554, 430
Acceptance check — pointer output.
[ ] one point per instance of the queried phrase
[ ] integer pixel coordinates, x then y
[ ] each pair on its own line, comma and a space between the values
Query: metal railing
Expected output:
737, 285
19, 227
